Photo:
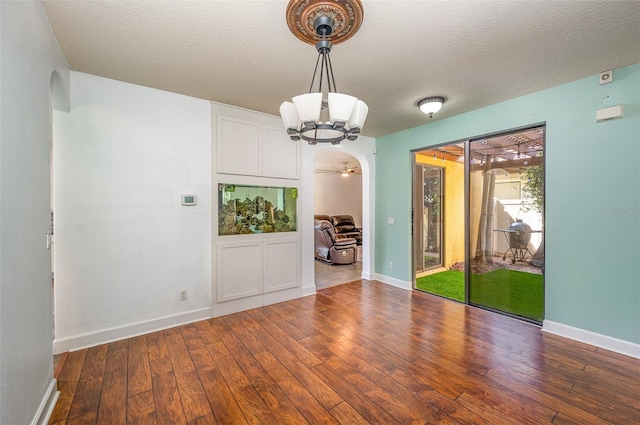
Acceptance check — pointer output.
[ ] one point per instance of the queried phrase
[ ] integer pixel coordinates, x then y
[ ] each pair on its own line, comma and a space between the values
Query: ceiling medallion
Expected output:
301, 15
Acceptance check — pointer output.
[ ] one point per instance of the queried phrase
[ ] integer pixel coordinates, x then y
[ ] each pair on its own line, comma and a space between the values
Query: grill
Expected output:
519, 236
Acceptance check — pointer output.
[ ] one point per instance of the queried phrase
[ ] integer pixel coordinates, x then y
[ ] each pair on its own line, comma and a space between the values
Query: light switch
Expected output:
391, 220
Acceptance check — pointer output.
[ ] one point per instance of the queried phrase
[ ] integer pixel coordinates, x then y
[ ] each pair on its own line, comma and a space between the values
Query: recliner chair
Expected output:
345, 227
330, 249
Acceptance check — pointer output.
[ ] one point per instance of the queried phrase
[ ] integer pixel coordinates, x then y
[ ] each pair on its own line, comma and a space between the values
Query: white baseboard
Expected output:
367, 276
248, 303
402, 284
90, 339
47, 404
603, 341
308, 290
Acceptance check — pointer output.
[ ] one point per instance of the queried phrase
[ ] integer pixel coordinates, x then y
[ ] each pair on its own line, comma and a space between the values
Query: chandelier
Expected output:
312, 116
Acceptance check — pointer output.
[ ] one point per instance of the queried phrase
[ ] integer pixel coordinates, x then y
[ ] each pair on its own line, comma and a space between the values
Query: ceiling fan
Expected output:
345, 170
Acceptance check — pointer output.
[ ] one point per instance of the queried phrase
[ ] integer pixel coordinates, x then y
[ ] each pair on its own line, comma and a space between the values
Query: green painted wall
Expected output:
592, 197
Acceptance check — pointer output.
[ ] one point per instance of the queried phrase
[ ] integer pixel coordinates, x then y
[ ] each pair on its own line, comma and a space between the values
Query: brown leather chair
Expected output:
330, 249
345, 227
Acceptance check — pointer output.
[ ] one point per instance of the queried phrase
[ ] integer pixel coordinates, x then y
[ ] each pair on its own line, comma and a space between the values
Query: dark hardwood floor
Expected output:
358, 353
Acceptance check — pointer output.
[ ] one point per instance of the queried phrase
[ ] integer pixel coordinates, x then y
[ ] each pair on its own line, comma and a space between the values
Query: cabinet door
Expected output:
239, 146
280, 265
239, 268
280, 154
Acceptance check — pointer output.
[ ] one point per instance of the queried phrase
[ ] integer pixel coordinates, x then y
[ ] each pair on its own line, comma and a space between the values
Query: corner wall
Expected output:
29, 56
592, 200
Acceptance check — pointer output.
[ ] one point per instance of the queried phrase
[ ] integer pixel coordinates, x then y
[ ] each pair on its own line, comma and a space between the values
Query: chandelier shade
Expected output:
340, 108
323, 116
358, 116
289, 116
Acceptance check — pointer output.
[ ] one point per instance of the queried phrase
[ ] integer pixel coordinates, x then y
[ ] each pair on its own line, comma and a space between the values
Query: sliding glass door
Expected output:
501, 223
506, 204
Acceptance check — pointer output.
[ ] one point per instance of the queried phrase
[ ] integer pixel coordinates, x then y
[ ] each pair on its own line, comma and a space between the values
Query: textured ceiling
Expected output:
241, 52
334, 159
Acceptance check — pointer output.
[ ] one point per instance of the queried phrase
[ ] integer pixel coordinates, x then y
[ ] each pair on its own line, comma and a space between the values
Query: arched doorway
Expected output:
338, 192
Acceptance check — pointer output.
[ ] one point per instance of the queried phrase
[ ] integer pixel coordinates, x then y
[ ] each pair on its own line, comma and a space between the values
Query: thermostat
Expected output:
189, 200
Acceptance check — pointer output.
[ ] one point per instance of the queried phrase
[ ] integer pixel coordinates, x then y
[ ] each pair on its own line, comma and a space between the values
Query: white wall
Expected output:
29, 55
335, 194
125, 246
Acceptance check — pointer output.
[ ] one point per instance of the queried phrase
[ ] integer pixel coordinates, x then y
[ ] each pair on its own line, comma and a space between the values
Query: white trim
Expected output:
256, 301
90, 339
47, 404
309, 290
366, 276
402, 284
603, 341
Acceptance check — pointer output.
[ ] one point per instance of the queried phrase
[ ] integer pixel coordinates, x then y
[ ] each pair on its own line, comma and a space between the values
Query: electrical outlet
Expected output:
390, 264
183, 295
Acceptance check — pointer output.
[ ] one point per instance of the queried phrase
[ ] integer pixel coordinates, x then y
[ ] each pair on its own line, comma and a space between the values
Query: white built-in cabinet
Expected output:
258, 269
263, 266
255, 149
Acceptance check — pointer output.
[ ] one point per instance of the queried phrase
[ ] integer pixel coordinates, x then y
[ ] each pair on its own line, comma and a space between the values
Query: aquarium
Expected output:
246, 210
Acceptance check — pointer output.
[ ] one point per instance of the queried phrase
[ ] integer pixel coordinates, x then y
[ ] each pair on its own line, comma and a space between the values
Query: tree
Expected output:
534, 188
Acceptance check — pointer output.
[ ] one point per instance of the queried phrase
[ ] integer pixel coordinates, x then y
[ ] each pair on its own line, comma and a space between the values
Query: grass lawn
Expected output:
449, 284
511, 291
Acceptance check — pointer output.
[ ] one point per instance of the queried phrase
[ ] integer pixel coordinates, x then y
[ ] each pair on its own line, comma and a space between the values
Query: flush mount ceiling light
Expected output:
320, 117
431, 105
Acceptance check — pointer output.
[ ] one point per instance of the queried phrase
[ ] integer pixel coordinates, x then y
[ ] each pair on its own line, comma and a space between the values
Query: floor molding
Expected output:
48, 403
90, 339
592, 338
367, 276
308, 290
393, 281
